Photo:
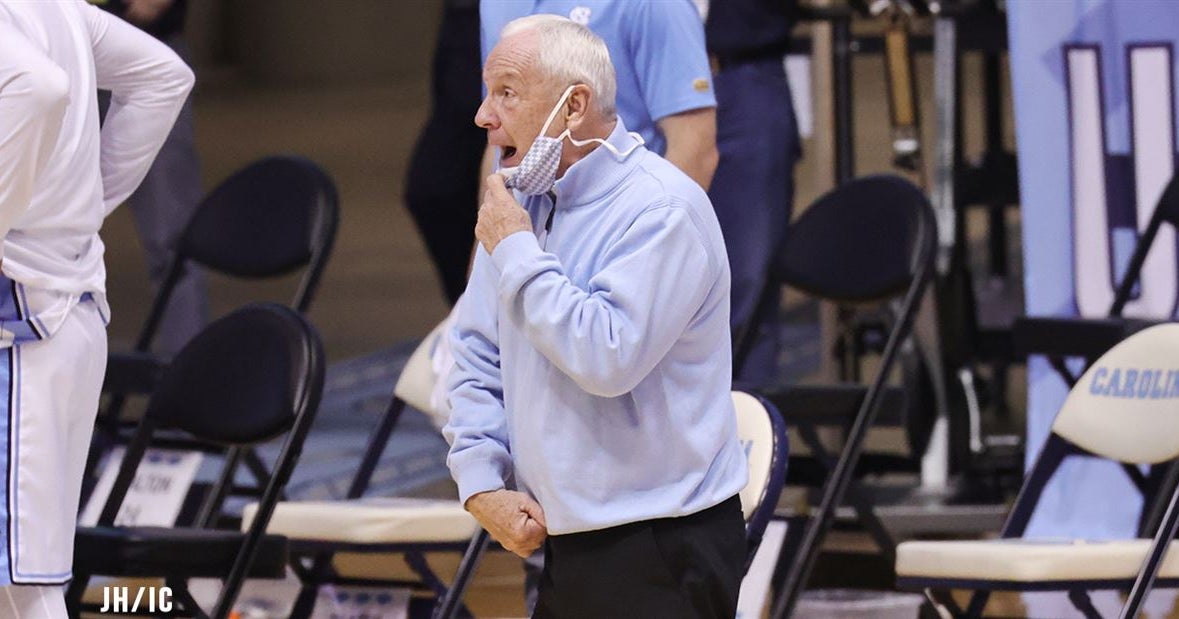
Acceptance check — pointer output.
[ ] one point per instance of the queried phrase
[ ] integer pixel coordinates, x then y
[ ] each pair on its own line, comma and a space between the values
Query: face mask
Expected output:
537, 172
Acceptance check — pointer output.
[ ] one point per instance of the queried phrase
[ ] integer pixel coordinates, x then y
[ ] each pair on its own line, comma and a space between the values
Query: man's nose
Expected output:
485, 117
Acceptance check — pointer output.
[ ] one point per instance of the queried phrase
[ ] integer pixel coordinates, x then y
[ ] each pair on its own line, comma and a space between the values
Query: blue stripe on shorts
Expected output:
7, 428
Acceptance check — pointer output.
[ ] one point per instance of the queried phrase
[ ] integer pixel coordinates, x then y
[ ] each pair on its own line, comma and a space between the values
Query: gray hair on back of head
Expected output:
570, 53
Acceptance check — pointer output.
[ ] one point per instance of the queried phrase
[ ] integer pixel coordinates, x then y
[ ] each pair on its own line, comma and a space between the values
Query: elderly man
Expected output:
590, 398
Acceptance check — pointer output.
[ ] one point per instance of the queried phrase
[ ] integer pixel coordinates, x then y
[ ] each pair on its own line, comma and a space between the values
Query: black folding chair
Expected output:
320, 530
272, 218
249, 377
1106, 415
269, 219
869, 241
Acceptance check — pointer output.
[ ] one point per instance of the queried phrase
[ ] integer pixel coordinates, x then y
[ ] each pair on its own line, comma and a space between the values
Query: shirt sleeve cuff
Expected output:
517, 246
683, 104
516, 257
475, 479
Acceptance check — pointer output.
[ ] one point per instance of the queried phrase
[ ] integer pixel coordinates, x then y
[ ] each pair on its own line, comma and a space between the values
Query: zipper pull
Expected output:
548, 223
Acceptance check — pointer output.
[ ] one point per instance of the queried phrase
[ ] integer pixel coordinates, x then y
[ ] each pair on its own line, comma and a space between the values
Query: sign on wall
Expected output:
1096, 115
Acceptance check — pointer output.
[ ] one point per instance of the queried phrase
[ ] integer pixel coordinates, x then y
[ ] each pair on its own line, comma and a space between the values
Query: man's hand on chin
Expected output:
500, 216
512, 518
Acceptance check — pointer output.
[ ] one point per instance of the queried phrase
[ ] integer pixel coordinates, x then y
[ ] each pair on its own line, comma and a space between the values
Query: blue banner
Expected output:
1095, 108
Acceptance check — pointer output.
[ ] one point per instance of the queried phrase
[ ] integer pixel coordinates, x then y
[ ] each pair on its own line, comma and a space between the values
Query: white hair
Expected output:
570, 53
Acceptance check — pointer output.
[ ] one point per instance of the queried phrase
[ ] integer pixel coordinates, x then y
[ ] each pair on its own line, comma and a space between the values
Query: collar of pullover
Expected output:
600, 171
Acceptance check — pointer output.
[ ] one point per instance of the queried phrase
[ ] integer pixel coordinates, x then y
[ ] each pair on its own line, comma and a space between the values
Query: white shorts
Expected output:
52, 387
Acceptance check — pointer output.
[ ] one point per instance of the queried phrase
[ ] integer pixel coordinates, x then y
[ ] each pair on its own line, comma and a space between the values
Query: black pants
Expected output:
679, 568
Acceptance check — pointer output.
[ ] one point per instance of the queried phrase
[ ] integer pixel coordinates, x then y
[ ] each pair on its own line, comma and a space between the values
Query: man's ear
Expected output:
578, 104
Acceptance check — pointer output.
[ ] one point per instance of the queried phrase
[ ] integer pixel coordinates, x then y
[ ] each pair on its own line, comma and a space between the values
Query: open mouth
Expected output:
508, 153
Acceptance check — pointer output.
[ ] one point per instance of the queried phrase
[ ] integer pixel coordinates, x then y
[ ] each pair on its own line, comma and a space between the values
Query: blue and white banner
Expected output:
1096, 112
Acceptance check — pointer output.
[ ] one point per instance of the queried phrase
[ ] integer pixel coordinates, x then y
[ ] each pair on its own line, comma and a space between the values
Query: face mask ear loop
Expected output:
639, 141
553, 114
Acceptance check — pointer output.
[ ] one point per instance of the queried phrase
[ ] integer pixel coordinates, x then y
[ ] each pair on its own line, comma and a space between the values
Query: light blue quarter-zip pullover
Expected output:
593, 359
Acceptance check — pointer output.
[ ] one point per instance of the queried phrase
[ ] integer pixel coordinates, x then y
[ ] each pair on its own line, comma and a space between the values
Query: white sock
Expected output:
33, 601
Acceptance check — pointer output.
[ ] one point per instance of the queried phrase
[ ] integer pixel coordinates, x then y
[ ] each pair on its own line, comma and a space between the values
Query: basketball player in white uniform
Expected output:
59, 177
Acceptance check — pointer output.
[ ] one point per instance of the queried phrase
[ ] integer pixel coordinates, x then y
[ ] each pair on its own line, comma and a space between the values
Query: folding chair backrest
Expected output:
763, 437
758, 435
1126, 405
869, 240
866, 240
268, 219
244, 379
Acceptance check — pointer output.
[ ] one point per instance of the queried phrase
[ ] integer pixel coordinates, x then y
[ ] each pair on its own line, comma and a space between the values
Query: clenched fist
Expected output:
513, 519
500, 216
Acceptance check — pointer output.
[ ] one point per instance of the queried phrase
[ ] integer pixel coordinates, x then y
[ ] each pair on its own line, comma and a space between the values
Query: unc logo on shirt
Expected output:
580, 15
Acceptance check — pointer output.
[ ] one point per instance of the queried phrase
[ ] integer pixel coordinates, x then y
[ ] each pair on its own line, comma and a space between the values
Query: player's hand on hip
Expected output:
500, 216
513, 519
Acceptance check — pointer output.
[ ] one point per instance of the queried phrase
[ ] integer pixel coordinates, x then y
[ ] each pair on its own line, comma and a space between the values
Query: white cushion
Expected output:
1029, 561
369, 521
416, 381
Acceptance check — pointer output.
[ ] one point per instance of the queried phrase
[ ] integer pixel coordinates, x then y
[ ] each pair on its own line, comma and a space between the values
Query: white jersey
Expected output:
59, 177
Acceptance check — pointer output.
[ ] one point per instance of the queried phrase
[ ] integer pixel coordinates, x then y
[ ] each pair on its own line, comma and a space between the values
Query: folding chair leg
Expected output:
305, 601
867, 516
183, 604
258, 470
450, 604
943, 603
418, 564
855, 495
810, 544
74, 593
1165, 531
978, 603
311, 579
799, 570
1063, 370
835, 489
1080, 598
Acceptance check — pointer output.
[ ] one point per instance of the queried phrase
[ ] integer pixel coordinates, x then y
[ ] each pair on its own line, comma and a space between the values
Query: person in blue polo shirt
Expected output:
590, 406
664, 81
